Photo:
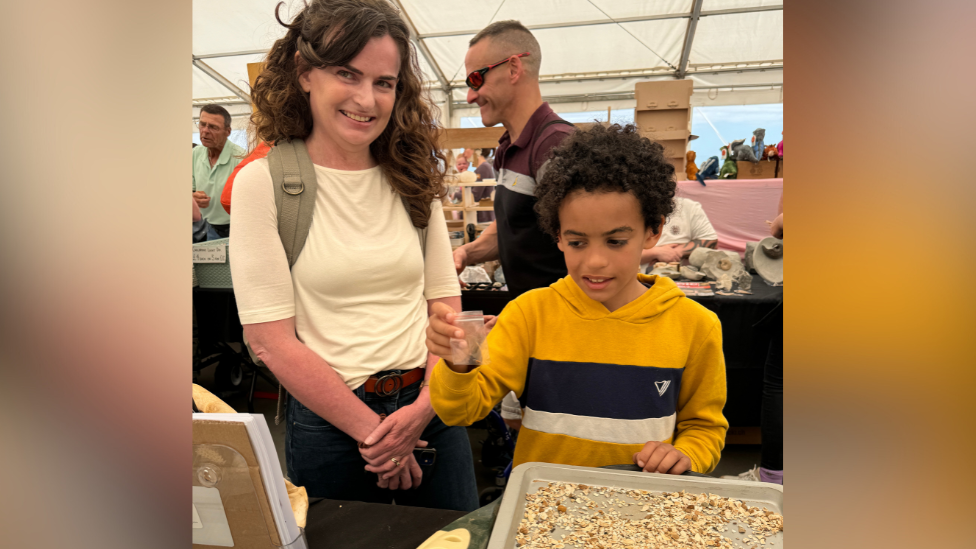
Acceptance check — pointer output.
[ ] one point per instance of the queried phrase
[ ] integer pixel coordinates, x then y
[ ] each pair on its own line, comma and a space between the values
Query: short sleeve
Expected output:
701, 227
440, 276
258, 264
541, 153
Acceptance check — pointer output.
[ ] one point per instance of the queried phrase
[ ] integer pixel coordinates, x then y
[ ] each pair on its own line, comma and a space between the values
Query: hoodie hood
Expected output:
661, 296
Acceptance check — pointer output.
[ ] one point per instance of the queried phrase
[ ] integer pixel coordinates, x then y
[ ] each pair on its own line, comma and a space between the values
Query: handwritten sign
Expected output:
210, 253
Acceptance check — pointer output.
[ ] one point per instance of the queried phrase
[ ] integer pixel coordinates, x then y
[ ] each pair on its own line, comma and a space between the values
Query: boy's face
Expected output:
601, 236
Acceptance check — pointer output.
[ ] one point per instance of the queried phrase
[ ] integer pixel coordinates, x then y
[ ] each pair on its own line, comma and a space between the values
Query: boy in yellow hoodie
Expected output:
610, 366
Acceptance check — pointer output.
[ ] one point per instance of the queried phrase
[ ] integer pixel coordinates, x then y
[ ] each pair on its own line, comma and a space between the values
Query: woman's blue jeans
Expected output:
327, 462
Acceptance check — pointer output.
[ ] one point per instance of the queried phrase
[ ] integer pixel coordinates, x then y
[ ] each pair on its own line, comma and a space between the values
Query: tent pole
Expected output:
689, 38
445, 85
636, 19
221, 79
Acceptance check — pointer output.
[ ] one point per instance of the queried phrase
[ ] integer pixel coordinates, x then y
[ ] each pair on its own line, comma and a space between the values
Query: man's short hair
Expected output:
217, 110
513, 38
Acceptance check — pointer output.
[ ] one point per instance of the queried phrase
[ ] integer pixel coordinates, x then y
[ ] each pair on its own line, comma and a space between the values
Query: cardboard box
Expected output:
764, 169
666, 94
671, 120
679, 168
675, 148
243, 496
779, 168
664, 136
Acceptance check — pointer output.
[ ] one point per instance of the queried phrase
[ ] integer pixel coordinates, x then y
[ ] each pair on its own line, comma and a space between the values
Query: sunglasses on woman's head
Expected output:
477, 78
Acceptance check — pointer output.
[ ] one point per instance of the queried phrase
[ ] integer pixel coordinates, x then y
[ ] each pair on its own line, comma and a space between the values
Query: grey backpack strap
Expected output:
293, 177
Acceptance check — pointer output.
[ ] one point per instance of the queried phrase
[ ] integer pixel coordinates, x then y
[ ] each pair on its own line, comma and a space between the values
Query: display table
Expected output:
749, 322
353, 524
737, 208
358, 525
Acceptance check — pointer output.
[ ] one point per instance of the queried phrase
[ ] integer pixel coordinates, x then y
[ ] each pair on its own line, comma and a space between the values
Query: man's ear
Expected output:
516, 69
650, 237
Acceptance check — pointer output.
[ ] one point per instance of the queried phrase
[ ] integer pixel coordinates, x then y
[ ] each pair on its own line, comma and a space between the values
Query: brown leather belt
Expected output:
390, 384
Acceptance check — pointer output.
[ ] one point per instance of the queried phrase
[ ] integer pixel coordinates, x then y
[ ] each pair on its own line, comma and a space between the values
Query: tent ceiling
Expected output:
590, 47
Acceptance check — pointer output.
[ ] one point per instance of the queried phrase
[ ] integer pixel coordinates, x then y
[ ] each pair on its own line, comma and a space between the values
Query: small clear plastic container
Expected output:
470, 350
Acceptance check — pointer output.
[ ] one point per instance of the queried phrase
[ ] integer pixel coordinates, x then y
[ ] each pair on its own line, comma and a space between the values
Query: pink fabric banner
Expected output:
737, 208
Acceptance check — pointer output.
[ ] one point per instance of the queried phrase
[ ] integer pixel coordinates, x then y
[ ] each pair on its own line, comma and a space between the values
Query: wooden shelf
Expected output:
468, 207
485, 183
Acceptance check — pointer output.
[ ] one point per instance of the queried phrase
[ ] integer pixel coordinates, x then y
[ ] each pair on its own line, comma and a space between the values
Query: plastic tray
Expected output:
529, 477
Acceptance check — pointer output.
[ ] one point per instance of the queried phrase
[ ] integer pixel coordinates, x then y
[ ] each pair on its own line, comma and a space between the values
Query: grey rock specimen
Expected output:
691, 273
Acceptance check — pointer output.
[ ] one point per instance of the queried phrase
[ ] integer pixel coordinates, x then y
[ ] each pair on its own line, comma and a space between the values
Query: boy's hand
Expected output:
659, 457
441, 329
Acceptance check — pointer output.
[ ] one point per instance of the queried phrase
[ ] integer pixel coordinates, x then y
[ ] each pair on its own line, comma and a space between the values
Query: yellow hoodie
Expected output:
596, 385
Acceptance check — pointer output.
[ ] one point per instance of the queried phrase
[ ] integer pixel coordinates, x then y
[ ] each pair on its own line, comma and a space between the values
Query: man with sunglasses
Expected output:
503, 63
212, 164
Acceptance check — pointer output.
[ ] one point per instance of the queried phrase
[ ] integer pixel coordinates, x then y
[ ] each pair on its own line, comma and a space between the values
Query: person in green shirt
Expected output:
212, 164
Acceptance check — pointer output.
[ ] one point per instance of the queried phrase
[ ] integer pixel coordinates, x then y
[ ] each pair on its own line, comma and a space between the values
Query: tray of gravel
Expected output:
568, 507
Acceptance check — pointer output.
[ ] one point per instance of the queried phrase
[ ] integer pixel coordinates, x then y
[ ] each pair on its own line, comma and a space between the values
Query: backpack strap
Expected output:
293, 178
295, 186
538, 132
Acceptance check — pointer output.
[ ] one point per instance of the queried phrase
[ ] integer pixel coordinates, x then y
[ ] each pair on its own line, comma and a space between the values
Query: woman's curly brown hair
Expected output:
330, 33
601, 159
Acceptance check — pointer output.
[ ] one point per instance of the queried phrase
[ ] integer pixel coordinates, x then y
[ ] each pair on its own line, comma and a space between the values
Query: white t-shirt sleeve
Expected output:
511, 409
701, 227
258, 264
440, 276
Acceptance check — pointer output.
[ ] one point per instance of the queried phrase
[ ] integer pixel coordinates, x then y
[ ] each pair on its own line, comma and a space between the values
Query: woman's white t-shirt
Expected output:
358, 290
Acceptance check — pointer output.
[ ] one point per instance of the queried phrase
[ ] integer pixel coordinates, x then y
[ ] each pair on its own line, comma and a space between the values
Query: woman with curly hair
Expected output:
343, 331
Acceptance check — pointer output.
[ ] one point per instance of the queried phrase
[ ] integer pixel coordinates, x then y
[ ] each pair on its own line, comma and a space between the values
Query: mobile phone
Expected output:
425, 456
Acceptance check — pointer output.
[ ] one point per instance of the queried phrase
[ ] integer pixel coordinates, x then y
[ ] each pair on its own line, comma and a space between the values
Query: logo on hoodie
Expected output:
662, 386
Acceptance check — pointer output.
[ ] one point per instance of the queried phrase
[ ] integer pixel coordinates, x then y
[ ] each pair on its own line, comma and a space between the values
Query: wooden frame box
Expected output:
666, 94
764, 169
671, 120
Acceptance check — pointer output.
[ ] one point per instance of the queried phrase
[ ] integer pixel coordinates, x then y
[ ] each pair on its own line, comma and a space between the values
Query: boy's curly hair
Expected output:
607, 159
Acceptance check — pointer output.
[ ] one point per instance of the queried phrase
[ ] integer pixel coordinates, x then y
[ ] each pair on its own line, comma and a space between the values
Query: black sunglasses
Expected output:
477, 78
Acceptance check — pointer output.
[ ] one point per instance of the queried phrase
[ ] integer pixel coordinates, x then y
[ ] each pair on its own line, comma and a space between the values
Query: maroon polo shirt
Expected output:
529, 256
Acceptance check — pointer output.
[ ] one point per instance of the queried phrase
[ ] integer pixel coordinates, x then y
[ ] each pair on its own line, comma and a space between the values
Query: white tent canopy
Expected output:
594, 51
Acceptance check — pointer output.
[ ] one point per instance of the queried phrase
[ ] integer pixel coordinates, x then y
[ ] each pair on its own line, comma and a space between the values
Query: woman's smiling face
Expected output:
351, 105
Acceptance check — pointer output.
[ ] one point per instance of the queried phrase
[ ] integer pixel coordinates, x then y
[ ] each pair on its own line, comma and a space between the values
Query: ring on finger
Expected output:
395, 460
